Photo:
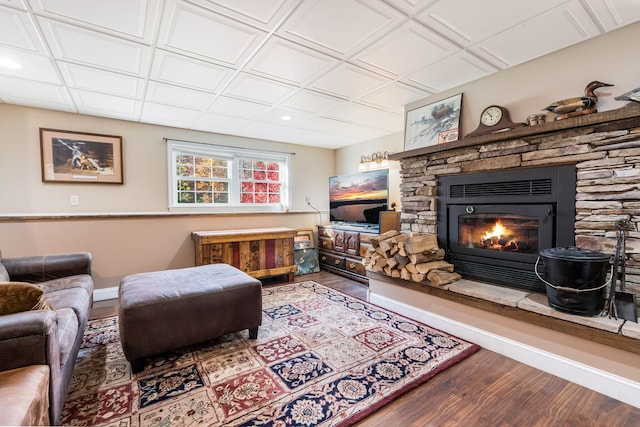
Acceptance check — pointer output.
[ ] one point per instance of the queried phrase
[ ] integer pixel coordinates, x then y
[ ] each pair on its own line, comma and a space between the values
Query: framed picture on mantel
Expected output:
69, 156
432, 124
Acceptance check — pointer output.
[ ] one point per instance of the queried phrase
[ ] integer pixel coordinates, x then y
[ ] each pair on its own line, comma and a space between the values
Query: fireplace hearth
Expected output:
492, 225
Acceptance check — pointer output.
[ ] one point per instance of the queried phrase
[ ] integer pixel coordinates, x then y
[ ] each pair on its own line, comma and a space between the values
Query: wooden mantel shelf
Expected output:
629, 113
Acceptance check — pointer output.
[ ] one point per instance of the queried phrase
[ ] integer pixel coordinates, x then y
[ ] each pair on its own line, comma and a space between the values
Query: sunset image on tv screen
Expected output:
359, 186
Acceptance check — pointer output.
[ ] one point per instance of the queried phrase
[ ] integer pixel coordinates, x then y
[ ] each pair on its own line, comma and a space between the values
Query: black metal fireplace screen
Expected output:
493, 225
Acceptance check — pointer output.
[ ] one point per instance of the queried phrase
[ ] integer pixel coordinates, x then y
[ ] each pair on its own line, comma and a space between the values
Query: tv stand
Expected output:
341, 248
356, 226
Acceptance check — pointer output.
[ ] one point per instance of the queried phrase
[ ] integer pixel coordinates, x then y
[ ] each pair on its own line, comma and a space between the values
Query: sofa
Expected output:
49, 333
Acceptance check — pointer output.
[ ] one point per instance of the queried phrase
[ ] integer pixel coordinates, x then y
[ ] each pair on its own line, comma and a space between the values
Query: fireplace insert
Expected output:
493, 225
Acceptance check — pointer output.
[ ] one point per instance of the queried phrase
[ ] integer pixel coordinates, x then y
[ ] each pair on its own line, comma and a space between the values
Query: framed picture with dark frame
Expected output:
433, 124
69, 156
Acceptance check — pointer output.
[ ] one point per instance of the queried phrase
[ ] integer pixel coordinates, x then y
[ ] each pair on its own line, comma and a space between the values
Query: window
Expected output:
216, 178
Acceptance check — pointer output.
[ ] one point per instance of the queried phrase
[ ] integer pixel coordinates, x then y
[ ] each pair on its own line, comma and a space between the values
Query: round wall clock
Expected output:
494, 118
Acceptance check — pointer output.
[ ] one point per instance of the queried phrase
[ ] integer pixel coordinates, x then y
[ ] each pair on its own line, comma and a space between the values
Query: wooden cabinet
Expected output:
259, 252
341, 249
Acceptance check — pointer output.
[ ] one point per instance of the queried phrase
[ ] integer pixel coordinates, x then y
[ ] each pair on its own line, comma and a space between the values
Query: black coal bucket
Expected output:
575, 278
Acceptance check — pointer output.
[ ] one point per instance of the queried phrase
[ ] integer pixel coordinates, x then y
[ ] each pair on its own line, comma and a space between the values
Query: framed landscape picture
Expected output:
432, 124
69, 156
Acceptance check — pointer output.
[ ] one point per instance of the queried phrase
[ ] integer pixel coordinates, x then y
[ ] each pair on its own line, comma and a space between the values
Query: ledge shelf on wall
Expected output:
625, 117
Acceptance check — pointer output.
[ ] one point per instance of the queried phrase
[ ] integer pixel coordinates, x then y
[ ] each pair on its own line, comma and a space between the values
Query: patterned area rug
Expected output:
321, 358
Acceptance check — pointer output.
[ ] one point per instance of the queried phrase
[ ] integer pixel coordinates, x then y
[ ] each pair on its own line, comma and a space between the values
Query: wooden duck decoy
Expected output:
571, 107
632, 95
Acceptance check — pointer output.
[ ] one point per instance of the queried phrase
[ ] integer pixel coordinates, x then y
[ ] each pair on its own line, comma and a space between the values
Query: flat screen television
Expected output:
358, 198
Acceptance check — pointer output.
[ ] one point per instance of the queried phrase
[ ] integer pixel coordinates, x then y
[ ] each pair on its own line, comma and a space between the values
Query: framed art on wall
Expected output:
432, 124
69, 156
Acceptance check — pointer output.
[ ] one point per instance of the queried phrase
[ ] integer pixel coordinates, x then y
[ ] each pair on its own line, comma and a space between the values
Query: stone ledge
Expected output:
631, 329
530, 307
531, 301
498, 294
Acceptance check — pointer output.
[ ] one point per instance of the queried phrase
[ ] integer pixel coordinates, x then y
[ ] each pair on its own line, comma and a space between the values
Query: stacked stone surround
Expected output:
607, 159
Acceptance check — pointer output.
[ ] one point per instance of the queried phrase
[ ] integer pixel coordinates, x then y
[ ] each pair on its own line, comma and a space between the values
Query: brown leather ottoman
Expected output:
165, 310
24, 396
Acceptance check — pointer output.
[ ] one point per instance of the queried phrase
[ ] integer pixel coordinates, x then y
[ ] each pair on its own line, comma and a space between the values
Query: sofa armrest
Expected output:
29, 338
35, 269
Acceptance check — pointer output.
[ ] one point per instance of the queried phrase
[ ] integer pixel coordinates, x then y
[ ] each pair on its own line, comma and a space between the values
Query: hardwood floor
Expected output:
486, 389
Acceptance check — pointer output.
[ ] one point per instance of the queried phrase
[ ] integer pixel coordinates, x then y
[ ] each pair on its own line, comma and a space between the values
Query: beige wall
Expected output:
123, 244
348, 160
127, 245
145, 165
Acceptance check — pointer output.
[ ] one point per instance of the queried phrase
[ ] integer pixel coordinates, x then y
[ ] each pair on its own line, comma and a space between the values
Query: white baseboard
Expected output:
614, 386
105, 294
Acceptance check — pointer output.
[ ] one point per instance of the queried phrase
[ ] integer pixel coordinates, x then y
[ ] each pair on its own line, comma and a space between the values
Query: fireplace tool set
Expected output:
620, 304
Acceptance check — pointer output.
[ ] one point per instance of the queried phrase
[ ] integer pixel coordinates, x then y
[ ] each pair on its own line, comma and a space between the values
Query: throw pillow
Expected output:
4, 274
16, 297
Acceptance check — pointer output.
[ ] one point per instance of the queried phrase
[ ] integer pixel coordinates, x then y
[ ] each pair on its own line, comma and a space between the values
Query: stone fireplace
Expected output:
602, 152
602, 148
493, 225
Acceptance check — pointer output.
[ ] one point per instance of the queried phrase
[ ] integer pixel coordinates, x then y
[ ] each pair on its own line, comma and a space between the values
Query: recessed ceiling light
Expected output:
285, 117
9, 63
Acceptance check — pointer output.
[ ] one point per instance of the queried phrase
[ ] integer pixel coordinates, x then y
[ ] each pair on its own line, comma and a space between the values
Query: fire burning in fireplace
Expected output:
492, 225
501, 234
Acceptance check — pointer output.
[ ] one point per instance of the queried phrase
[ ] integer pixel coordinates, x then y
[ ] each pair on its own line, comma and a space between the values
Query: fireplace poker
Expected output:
621, 303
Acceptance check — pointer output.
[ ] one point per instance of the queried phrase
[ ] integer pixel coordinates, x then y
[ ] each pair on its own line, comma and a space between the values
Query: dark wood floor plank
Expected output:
486, 389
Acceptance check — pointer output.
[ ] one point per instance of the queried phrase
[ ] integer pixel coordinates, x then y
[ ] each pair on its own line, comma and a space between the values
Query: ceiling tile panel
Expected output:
330, 125
177, 96
17, 31
119, 114
34, 67
138, 21
352, 112
190, 29
452, 71
340, 26
571, 25
13, 90
167, 115
407, 49
410, 7
615, 13
220, 123
314, 102
91, 48
295, 135
459, 19
387, 121
181, 70
41, 102
237, 107
92, 101
93, 79
296, 117
259, 89
18, 4
395, 96
262, 14
349, 80
289, 61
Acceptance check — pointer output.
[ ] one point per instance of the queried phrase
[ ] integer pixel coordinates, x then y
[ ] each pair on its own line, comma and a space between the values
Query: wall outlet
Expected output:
74, 200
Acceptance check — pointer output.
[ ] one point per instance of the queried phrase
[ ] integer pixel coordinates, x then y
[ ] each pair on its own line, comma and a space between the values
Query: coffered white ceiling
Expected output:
342, 70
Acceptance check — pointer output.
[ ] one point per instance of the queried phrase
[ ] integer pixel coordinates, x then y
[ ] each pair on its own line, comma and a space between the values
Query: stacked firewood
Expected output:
415, 257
